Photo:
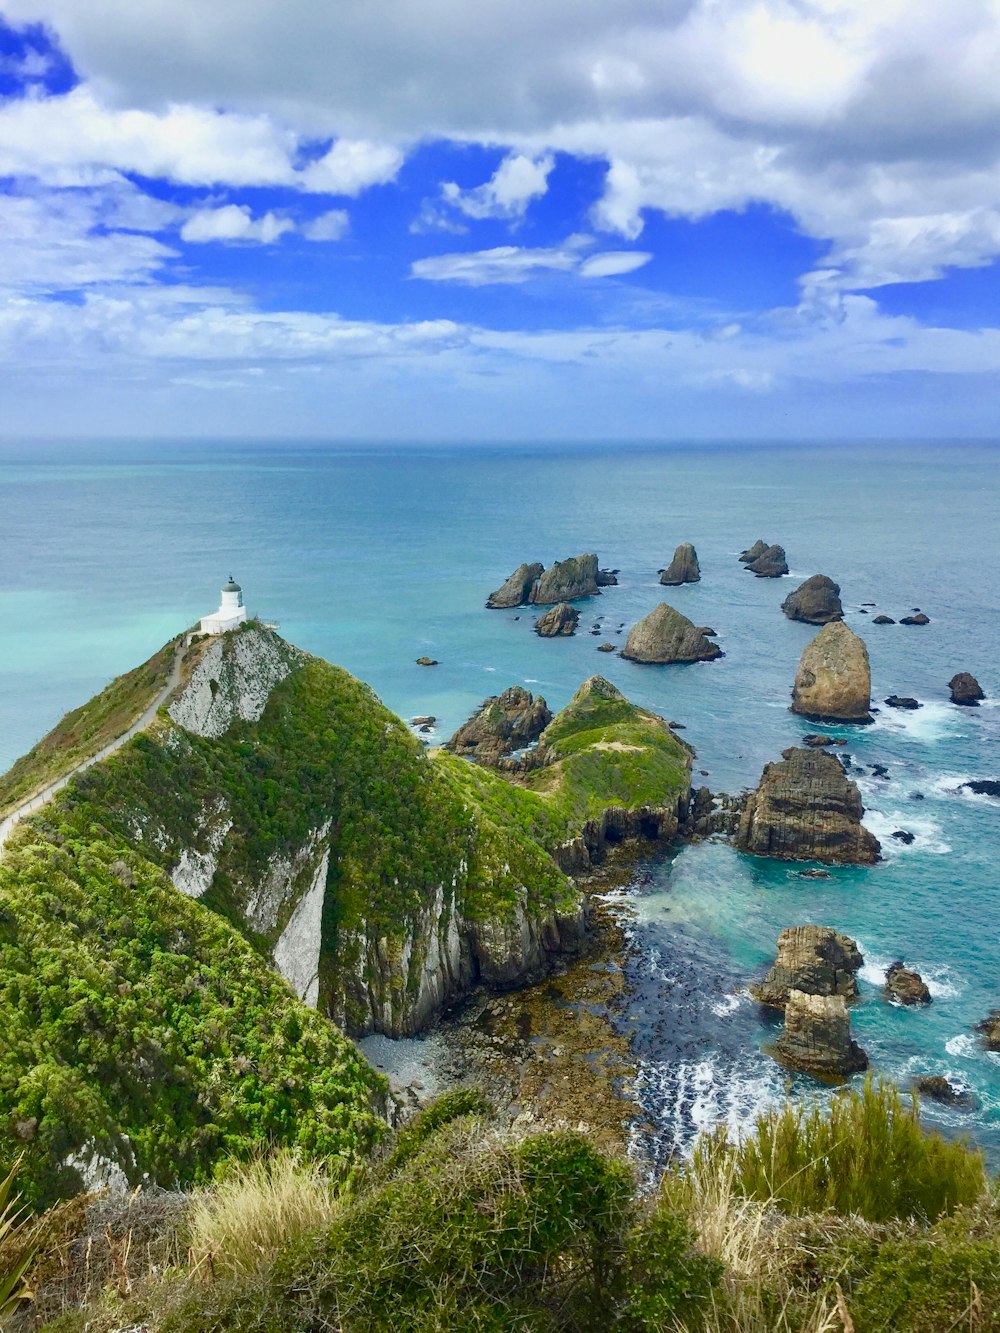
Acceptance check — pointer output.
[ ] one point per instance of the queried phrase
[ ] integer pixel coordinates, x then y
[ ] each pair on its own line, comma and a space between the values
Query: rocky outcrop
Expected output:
562, 619
918, 619
684, 567
883, 620
502, 723
754, 552
965, 690
817, 601
666, 636
817, 1037
607, 578
813, 959
990, 1030
605, 647
806, 809
231, 679
566, 580
904, 701
770, 564
833, 681
709, 814
905, 986
983, 786
936, 1088
817, 741
517, 589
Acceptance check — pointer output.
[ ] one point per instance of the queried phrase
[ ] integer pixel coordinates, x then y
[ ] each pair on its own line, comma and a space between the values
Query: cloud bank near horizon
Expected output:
709, 202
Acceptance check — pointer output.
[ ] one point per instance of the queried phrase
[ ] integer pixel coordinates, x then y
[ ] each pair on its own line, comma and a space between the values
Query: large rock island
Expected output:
806, 809
666, 636
565, 581
833, 682
683, 568
817, 601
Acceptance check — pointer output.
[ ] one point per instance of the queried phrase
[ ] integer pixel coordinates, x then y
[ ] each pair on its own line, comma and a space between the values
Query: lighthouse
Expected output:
231, 611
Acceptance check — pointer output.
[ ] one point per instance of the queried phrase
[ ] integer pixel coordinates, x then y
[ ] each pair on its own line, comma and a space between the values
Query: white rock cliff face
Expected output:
297, 952
233, 679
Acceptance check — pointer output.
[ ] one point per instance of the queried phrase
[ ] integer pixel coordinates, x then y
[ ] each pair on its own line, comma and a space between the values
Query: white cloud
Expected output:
518, 180
516, 264
351, 166
329, 226
234, 222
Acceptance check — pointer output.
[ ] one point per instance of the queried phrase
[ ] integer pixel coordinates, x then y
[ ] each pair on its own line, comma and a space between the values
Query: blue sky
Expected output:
424, 219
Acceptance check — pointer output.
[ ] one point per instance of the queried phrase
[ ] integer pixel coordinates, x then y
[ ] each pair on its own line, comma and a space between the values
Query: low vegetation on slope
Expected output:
460, 1224
87, 730
143, 1038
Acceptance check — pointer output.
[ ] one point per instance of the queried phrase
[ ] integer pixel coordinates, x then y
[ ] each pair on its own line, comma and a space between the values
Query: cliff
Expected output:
276, 799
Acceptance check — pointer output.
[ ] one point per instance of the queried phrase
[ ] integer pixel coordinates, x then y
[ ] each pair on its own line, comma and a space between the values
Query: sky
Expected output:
436, 220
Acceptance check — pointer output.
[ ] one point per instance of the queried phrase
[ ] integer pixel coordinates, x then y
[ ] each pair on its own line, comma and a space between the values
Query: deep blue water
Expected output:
373, 557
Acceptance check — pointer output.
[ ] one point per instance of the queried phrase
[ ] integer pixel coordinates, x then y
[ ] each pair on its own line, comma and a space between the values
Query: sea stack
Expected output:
965, 690
806, 809
817, 1037
665, 636
684, 567
813, 959
567, 580
833, 682
516, 590
561, 619
770, 564
817, 601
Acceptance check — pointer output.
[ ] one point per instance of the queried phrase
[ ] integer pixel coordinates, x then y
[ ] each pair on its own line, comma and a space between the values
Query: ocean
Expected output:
375, 556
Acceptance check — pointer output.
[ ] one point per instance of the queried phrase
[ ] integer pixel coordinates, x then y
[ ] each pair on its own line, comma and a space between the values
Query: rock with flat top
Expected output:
561, 619
684, 567
965, 690
817, 1037
806, 809
817, 601
666, 636
517, 589
813, 959
833, 682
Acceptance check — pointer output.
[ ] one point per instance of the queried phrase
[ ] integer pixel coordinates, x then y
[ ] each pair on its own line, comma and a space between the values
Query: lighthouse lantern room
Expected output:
231, 611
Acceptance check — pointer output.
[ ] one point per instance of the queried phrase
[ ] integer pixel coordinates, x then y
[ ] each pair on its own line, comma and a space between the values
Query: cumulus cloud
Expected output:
351, 166
518, 180
329, 226
234, 222
516, 264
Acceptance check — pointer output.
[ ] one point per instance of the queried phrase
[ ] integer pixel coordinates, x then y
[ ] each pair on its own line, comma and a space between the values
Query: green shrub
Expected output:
442, 1111
663, 1278
865, 1153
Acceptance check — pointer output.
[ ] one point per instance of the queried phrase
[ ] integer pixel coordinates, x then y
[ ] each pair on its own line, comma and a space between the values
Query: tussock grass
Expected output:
255, 1209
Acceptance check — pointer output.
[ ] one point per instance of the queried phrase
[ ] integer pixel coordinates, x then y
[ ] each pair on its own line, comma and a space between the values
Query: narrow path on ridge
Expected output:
39, 799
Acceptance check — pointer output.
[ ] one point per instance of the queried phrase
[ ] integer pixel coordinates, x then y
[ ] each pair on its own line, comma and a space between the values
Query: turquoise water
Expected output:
374, 557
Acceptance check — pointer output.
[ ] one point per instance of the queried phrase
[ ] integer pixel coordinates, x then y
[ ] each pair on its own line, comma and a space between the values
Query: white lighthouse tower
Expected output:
231, 611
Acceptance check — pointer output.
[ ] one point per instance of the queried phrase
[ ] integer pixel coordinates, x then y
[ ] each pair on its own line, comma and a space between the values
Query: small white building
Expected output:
231, 611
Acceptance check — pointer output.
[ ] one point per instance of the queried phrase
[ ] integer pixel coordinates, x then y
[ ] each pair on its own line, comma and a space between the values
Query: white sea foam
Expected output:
938, 983
727, 1005
963, 1045
926, 832
937, 978
952, 784
930, 722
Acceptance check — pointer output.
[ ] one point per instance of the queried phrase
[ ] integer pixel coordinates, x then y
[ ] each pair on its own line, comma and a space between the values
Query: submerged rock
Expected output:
817, 601
904, 985
516, 590
936, 1088
883, 620
503, 723
813, 959
770, 564
561, 619
902, 701
817, 1037
817, 742
605, 647
428, 661
684, 567
965, 690
666, 636
833, 681
566, 580
806, 809
754, 552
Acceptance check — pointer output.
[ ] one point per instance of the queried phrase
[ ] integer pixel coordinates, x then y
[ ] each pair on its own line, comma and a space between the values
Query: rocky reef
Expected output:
561, 620
817, 1037
816, 960
565, 581
805, 808
683, 568
833, 682
666, 636
965, 690
502, 723
817, 601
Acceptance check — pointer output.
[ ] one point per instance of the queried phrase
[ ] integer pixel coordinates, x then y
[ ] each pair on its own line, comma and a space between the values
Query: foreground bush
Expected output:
865, 1154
